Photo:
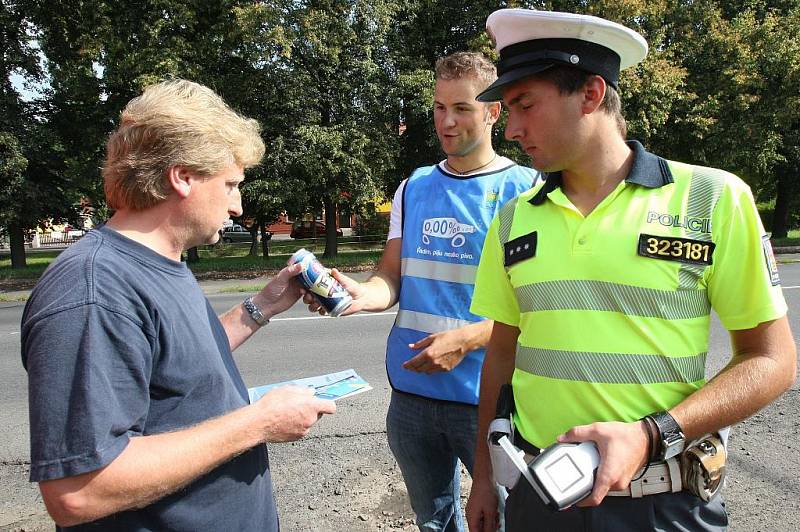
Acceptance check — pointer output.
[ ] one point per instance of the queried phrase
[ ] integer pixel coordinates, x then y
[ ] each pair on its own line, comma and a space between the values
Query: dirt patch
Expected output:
342, 483
352, 483
13, 285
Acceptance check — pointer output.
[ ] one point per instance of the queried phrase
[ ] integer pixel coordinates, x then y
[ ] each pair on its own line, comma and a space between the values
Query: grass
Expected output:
237, 288
36, 264
229, 260
15, 299
792, 239
237, 259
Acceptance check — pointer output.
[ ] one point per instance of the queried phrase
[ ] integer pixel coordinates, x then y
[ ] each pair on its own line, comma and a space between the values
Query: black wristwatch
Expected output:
670, 436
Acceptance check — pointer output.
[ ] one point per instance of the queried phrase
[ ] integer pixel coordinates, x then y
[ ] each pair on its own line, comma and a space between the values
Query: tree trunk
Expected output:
253, 240
17, 240
192, 257
265, 238
331, 242
783, 196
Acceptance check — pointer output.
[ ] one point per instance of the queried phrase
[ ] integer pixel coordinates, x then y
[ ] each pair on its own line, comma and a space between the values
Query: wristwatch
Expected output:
670, 436
255, 312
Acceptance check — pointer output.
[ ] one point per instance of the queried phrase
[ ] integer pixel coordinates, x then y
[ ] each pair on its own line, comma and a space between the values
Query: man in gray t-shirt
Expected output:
139, 417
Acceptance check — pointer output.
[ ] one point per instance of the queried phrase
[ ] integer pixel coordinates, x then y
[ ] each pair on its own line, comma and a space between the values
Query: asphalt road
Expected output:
342, 476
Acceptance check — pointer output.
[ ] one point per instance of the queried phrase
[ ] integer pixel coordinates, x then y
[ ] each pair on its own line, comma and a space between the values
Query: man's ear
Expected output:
180, 179
492, 112
594, 91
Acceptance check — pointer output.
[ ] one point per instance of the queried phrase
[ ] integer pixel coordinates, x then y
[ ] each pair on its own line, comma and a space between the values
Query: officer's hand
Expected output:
481, 507
623, 449
287, 413
440, 352
281, 292
353, 287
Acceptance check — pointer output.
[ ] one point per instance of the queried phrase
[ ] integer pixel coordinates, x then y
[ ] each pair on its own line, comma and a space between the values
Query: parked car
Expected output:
237, 233
305, 229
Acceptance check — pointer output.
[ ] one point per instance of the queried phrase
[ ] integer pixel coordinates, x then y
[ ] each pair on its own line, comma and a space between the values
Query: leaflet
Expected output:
331, 386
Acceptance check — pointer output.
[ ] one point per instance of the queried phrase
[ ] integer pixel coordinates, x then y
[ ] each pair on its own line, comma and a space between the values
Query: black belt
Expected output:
525, 445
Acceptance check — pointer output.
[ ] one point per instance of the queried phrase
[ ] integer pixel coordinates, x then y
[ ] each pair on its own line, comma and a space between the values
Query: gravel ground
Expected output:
353, 484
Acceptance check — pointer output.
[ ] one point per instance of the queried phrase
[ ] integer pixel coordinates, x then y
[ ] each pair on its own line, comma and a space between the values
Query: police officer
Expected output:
601, 283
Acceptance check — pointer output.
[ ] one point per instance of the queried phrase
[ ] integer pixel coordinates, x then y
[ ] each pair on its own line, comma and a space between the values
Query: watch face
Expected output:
673, 444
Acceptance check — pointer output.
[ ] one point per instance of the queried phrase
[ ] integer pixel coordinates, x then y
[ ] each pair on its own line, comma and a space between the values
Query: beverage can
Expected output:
319, 281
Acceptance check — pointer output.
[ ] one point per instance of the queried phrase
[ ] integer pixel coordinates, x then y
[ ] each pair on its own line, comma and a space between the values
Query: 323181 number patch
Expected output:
677, 249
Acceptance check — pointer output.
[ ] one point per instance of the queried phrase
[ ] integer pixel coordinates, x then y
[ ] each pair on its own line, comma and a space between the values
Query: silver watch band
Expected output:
255, 312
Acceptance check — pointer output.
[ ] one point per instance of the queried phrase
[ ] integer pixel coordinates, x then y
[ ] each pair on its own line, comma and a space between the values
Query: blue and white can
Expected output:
319, 281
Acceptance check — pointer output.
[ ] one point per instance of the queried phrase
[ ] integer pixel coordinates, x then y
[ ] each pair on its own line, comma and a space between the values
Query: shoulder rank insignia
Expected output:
685, 250
519, 249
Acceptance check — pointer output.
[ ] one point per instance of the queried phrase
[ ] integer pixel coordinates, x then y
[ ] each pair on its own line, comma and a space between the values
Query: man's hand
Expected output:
281, 292
481, 507
440, 352
623, 449
289, 412
353, 287
151, 467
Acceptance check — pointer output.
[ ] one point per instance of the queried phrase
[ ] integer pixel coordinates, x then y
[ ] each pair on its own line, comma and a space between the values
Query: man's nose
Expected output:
449, 119
513, 131
235, 207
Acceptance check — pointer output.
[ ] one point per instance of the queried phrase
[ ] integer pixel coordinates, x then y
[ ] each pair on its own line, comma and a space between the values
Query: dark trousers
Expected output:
680, 511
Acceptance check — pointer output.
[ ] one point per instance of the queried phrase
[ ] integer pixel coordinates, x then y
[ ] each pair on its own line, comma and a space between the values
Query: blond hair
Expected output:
467, 65
174, 123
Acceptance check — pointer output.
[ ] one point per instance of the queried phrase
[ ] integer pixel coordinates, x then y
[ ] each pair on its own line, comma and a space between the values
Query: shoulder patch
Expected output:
519, 249
772, 264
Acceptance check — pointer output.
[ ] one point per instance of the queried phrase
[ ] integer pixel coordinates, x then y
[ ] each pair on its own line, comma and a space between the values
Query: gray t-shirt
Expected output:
119, 342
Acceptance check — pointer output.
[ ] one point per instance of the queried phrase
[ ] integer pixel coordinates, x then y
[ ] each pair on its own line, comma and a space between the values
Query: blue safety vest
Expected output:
445, 219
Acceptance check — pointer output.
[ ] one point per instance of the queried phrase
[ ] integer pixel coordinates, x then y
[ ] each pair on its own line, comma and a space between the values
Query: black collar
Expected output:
648, 170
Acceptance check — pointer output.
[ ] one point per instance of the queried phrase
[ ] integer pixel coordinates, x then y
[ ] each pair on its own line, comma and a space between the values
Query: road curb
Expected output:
783, 250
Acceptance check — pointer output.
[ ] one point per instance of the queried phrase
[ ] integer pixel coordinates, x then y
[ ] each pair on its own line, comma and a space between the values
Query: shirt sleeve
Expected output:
494, 295
743, 285
396, 216
88, 388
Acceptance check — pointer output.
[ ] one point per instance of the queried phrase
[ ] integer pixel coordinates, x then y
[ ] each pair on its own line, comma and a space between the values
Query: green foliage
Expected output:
332, 81
372, 223
12, 166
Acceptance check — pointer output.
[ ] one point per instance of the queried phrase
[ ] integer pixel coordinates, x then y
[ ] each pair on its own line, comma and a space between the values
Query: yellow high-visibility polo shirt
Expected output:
614, 307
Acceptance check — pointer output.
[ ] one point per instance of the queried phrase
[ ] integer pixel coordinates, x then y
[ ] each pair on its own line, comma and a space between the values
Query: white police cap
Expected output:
532, 41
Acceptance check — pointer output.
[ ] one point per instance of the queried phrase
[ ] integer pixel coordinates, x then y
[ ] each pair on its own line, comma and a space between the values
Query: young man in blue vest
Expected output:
435, 350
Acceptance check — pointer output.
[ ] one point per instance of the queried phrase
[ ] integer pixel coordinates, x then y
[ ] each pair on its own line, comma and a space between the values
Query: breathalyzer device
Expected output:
561, 475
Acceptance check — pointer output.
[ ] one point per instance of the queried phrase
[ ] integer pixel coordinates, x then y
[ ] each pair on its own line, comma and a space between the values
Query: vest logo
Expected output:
446, 228
692, 223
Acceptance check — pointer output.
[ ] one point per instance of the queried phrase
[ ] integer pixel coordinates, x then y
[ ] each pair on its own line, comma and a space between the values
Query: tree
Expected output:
12, 166
742, 60
30, 180
101, 54
325, 56
263, 200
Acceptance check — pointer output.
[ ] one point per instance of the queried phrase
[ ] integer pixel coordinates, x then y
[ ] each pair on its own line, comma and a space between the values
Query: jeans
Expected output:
428, 438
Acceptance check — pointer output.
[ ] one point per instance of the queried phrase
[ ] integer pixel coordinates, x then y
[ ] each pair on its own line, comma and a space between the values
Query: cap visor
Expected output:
494, 92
